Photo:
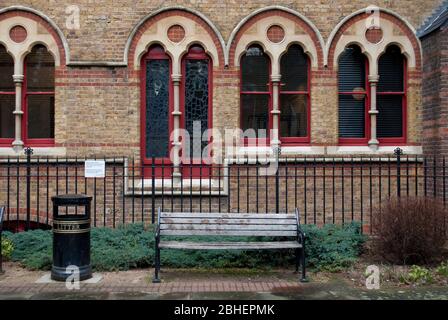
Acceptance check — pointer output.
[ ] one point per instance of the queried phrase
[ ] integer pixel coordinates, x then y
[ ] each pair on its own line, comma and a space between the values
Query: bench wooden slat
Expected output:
227, 221
259, 233
227, 215
229, 245
236, 227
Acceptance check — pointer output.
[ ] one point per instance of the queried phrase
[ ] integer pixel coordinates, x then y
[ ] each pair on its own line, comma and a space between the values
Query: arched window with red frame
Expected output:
256, 92
391, 97
295, 96
7, 98
38, 98
157, 106
196, 102
354, 125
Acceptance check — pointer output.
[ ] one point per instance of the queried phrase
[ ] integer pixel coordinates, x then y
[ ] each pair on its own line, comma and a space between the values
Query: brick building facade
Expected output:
328, 79
434, 38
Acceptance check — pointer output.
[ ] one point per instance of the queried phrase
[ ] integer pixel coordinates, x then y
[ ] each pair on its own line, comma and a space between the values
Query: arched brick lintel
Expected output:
44, 21
156, 16
287, 13
388, 15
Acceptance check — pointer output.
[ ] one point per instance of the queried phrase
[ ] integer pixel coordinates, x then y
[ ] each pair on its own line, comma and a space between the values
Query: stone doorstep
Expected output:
46, 278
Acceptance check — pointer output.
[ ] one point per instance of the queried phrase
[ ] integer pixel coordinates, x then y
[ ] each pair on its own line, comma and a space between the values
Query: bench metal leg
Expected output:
302, 255
298, 256
156, 278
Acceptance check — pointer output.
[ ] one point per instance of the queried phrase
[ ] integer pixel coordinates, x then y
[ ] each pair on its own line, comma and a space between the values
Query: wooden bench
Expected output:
228, 224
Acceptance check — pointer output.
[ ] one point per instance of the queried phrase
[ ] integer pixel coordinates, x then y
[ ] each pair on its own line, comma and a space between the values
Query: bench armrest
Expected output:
157, 234
301, 236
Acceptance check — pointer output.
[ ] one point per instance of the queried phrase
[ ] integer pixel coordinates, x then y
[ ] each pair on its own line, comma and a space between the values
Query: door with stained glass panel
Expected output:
196, 112
157, 107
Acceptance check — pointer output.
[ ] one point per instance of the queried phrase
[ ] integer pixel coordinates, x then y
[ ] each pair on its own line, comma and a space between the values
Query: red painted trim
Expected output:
151, 55
403, 139
299, 140
194, 170
366, 92
257, 141
48, 142
6, 142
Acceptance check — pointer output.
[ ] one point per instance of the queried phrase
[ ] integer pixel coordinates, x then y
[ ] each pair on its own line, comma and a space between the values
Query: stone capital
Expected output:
373, 79
275, 78
176, 78
18, 78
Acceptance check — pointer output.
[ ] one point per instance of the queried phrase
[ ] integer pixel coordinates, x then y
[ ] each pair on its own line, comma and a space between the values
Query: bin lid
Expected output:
71, 199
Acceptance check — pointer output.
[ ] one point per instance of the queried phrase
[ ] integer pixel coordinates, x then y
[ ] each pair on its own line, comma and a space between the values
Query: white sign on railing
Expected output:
95, 169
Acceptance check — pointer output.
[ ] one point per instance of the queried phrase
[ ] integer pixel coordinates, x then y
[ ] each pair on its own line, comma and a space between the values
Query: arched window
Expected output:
391, 96
158, 106
255, 91
7, 97
39, 97
353, 97
197, 99
294, 96
156, 114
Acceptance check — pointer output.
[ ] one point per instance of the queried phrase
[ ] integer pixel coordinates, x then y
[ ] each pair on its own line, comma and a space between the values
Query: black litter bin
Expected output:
71, 236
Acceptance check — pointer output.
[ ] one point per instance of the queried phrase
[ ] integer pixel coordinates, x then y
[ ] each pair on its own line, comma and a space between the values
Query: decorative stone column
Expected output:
373, 142
18, 114
177, 175
275, 141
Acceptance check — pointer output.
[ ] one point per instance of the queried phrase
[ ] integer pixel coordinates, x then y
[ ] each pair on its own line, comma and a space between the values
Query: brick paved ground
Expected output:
17, 280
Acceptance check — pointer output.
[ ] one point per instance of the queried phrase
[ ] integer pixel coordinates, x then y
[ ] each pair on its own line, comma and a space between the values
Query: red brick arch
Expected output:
170, 13
279, 13
44, 23
383, 15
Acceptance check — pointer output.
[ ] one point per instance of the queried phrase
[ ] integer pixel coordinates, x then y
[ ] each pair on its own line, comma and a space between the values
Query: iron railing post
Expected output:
28, 152
277, 152
2, 211
153, 191
398, 153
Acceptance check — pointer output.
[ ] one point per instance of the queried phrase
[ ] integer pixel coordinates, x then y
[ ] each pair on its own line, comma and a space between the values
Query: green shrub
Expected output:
32, 248
329, 248
7, 248
418, 275
442, 269
333, 247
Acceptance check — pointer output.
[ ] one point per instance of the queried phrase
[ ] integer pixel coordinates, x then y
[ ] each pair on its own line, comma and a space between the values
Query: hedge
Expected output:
329, 248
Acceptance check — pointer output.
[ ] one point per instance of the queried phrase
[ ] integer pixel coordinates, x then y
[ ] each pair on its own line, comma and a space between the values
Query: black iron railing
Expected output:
2, 210
325, 189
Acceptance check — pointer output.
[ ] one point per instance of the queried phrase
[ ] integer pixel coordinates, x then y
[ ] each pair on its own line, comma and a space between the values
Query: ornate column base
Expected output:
18, 146
374, 144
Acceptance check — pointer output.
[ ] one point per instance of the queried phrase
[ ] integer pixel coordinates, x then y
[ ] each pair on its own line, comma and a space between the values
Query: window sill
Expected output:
37, 151
168, 186
365, 150
285, 150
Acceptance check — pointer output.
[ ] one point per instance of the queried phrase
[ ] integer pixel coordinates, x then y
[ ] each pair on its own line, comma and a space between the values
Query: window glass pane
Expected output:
293, 117
255, 70
6, 71
390, 116
7, 106
294, 70
40, 70
157, 108
351, 116
255, 108
40, 116
391, 71
196, 102
352, 70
